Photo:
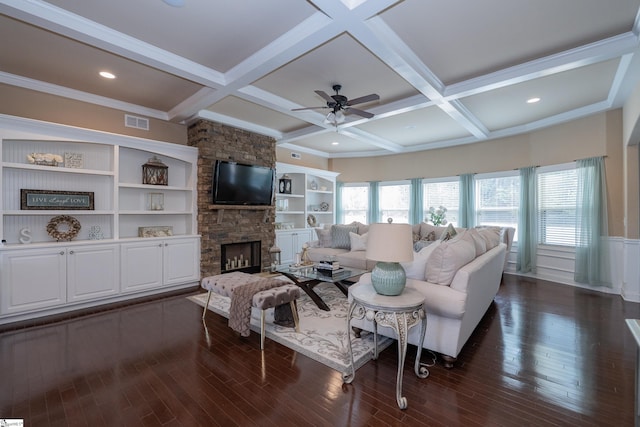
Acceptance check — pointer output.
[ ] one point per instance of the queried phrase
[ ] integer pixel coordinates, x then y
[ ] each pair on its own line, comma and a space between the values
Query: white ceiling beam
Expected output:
240, 124
581, 56
65, 92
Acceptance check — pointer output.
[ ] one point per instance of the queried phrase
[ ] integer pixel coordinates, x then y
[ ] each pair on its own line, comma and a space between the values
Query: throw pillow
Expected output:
362, 228
324, 237
416, 269
358, 242
447, 258
449, 233
340, 236
427, 229
421, 244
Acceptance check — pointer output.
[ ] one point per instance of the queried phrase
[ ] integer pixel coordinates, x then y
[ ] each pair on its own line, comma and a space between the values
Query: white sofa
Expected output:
459, 286
351, 252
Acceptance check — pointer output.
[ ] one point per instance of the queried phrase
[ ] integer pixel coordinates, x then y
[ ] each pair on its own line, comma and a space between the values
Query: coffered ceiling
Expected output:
447, 72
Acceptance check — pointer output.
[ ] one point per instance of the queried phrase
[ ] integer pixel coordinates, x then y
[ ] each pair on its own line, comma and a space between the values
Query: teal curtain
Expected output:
374, 204
527, 221
338, 208
592, 261
467, 201
416, 214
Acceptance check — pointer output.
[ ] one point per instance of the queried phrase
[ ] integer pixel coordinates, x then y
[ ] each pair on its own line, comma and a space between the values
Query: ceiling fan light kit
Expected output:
335, 118
341, 105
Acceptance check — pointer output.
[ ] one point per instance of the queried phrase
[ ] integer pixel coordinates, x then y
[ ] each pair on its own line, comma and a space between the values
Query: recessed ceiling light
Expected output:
174, 3
533, 100
335, 143
107, 75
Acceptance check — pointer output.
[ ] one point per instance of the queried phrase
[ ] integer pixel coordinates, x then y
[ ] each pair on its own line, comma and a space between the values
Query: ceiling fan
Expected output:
340, 104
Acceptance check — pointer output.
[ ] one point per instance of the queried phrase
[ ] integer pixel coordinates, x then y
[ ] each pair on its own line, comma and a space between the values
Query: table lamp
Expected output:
389, 244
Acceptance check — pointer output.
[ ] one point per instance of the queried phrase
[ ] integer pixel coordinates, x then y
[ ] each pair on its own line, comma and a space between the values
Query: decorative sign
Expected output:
56, 200
73, 160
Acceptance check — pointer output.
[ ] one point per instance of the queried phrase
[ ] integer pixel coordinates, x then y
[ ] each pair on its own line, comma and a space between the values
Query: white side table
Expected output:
401, 313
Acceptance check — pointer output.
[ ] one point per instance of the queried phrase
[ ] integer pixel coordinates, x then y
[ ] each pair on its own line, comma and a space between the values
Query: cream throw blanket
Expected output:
241, 299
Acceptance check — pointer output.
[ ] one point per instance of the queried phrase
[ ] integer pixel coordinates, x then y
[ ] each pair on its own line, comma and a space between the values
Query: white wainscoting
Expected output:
556, 264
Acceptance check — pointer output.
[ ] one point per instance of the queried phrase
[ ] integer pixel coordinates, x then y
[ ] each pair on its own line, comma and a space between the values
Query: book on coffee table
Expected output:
333, 273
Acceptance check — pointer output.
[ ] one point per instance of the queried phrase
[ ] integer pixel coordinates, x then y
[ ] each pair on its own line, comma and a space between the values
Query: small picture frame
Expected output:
73, 160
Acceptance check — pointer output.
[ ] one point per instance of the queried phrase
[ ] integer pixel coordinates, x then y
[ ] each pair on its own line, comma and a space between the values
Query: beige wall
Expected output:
598, 135
309, 160
40, 106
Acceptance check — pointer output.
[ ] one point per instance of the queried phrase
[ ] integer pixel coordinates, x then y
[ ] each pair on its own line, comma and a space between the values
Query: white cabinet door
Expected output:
141, 265
92, 272
290, 243
33, 279
181, 261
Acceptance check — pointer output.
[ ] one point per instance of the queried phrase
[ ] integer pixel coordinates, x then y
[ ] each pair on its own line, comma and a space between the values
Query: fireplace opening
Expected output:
244, 256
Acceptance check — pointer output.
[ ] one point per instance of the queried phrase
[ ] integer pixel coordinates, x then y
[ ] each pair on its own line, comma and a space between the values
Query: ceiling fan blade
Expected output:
324, 96
367, 98
362, 113
309, 108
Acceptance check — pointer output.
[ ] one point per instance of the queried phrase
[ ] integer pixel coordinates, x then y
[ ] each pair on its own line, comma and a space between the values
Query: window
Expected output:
497, 199
394, 201
355, 203
445, 193
557, 189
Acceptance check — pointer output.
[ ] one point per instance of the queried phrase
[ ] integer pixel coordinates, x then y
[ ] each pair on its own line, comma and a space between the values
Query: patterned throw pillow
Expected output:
340, 236
449, 233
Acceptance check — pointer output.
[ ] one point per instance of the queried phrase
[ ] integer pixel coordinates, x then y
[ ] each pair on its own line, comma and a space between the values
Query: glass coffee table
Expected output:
308, 277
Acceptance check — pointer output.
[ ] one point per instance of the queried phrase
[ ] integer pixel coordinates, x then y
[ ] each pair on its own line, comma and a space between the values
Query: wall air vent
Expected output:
136, 122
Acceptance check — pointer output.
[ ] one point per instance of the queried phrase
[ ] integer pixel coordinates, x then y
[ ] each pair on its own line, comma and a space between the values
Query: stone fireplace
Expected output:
230, 224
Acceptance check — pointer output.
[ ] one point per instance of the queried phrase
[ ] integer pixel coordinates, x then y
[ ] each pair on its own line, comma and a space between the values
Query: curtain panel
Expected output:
467, 201
416, 207
527, 221
338, 207
592, 263
374, 203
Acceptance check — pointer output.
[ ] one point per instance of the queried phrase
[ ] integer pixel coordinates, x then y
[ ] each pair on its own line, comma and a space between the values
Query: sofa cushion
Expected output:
322, 254
447, 258
491, 236
355, 259
416, 269
340, 236
479, 243
358, 242
324, 237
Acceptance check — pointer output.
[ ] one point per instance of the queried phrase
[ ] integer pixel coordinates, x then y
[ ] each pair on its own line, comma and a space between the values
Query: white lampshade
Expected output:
390, 242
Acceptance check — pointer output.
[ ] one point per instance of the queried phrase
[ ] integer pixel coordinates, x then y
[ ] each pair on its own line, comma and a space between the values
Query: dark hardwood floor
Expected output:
544, 354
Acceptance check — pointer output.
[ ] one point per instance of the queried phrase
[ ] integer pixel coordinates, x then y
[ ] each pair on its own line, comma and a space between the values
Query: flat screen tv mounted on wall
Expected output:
240, 184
